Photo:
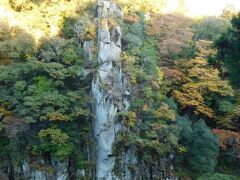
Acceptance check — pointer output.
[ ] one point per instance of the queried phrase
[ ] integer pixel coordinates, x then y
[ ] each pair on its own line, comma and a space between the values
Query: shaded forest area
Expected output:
184, 74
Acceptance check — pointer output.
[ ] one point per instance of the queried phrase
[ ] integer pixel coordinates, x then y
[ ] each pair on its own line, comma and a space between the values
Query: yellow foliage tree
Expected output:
202, 81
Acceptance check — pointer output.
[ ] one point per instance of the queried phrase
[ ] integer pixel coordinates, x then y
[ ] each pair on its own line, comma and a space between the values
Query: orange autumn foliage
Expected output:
173, 75
131, 18
198, 81
229, 140
173, 32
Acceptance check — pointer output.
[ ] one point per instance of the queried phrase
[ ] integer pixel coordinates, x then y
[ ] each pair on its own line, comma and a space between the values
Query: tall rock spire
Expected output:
107, 89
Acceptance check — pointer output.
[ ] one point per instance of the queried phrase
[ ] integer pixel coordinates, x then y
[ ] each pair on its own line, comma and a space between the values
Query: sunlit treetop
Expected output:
154, 6
43, 17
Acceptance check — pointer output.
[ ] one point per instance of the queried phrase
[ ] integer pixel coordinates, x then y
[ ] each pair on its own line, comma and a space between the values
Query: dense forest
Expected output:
165, 87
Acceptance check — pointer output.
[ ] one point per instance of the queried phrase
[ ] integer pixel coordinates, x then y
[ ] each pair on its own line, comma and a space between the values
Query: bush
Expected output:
210, 28
201, 144
218, 176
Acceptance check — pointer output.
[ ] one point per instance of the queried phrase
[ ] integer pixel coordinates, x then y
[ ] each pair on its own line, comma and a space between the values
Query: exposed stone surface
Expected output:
87, 48
3, 176
107, 91
59, 172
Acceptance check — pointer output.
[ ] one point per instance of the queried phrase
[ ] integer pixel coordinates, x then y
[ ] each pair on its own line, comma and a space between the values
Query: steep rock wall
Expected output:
26, 171
107, 89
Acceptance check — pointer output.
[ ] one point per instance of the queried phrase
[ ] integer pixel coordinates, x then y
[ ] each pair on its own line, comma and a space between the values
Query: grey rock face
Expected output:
107, 90
60, 171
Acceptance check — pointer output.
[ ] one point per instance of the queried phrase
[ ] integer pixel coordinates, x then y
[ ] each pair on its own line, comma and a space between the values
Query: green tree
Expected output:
218, 176
228, 47
202, 146
210, 28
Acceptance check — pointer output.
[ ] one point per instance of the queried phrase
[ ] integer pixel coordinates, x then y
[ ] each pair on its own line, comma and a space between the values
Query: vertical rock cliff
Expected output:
27, 172
107, 89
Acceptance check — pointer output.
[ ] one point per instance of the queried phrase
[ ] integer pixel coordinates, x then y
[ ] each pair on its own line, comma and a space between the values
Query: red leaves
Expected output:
229, 140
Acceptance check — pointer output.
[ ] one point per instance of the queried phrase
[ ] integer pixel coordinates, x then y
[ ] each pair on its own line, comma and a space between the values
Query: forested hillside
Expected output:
117, 90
